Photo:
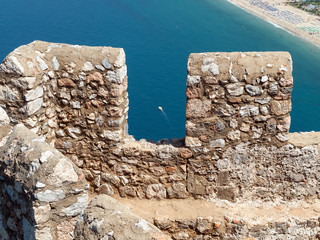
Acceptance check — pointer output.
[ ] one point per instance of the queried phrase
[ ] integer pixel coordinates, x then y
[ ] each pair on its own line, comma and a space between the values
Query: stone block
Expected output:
227, 193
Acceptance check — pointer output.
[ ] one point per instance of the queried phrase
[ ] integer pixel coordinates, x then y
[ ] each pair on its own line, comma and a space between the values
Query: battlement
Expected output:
238, 119
238, 97
75, 98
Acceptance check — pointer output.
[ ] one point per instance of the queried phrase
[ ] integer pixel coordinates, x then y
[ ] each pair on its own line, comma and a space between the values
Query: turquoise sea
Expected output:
157, 37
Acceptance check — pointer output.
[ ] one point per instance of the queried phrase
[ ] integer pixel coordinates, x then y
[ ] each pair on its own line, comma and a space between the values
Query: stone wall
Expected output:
105, 218
74, 96
42, 191
236, 143
230, 229
236, 98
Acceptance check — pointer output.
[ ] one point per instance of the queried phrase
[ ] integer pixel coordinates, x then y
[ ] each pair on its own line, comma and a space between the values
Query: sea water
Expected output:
158, 36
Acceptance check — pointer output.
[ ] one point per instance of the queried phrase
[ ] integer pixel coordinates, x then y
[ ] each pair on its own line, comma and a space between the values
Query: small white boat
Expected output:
160, 108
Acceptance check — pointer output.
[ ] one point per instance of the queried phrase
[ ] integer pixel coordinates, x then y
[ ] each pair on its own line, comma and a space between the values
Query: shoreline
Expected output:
310, 20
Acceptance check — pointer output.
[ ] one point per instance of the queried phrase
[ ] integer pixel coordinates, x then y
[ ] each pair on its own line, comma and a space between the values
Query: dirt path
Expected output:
251, 212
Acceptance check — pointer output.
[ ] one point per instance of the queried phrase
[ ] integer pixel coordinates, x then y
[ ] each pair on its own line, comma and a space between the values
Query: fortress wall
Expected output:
238, 120
42, 191
74, 96
237, 98
236, 143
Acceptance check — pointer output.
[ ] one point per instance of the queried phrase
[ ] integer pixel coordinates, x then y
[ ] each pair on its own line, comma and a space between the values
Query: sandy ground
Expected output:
302, 139
256, 212
309, 19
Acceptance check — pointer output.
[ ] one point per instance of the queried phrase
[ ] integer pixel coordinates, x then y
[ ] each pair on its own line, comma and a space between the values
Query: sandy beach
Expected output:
294, 20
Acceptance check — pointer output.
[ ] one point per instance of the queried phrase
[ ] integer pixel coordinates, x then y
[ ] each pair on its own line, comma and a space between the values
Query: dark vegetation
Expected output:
311, 6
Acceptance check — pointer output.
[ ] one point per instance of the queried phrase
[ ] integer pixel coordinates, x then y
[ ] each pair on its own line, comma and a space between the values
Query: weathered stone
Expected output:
66, 82
34, 94
40, 185
34, 106
208, 64
55, 63
64, 94
217, 94
42, 214
8, 94
63, 173
63, 144
234, 135
24, 82
50, 196
192, 142
120, 59
233, 123
253, 90
177, 190
271, 125
210, 80
106, 219
77, 207
235, 99
218, 143
226, 193
87, 66
204, 225
286, 90
196, 184
127, 191
115, 122
226, 110
192, 80
245, 127
280, 107
260, 119
45, 156
264, 110
286, 82
273, 89
11, 65
249, 110
116, 90
105, 62
42, 63
223, 178
111, 135
110, 178
43, 234
73, 132
257, 132
264, 79
75, 104
192, 93
182, 235
282, 137
156, 191
262, 100
103, 92
4, 118
233, 79
118, 75
185, 153
95, 77
284, 124
235, 89
106, 189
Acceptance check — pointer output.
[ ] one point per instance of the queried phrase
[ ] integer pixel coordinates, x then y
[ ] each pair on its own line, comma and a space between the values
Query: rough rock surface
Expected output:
216, 219
237, 144
105, 218
40, 187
